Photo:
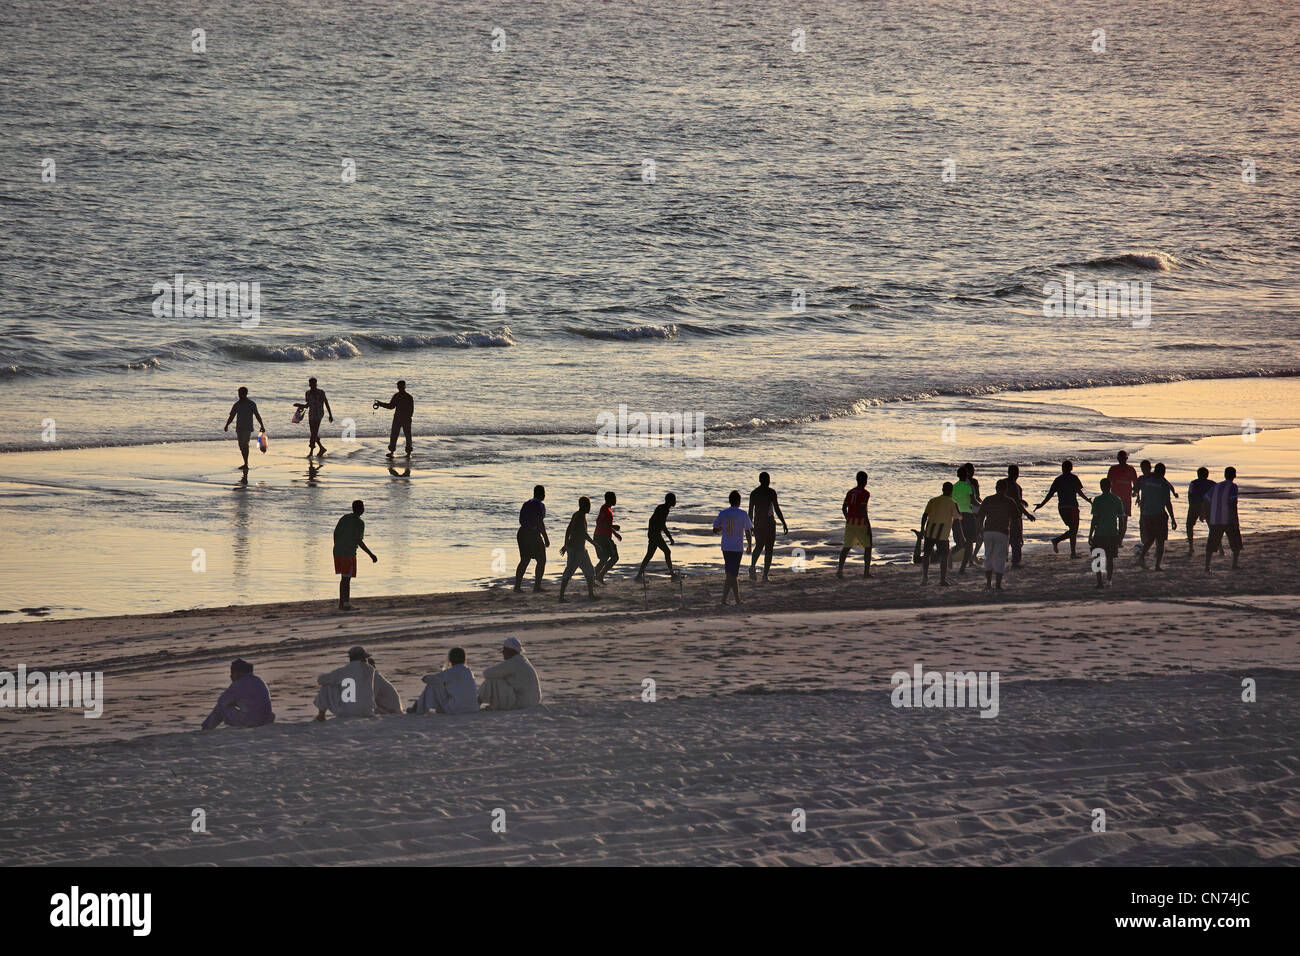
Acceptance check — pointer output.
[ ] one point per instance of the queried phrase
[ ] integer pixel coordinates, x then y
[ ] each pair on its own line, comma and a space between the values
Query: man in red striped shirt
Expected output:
857, 526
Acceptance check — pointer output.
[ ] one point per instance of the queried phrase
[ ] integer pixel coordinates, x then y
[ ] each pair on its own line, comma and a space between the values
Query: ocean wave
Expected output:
1151, 260
453, 340
861, 405
629, 334
335, 347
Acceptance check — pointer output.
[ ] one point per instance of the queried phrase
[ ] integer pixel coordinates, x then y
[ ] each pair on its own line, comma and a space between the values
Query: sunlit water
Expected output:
781, 181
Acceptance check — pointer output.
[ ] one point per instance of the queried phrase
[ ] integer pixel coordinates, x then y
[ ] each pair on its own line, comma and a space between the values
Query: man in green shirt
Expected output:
968, 502
1157, 513
1107, 530
348, 535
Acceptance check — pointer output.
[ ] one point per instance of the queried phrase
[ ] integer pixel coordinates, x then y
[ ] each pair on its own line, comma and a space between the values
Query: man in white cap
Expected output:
348, 691
450, 691
513, 683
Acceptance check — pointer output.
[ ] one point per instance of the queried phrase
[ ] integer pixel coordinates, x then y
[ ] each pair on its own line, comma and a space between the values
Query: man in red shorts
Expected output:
348, 535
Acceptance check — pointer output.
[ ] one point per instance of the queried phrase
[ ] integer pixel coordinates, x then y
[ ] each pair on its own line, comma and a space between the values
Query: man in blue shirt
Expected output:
1068, 489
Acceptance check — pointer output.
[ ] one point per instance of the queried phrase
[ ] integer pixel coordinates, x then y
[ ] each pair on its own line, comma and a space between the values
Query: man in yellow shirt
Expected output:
941, 513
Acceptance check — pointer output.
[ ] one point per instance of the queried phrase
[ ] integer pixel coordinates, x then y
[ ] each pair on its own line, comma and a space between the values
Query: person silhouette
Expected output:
403, 406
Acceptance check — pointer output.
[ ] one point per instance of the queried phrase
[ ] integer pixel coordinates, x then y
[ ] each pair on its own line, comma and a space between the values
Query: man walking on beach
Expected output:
1149, 476
348, 536
575, 544
403, 406
606, 532
512, 684
857, 526
936, 524
763, 514
1068, 489
732, 524
1198, 507
1022, 512
348, 691
995, 516
1224, 519
1156, 513
966, 494
1104, 531
532, 537
245, 703
657, 531
242, 414
316, 405
1122, 479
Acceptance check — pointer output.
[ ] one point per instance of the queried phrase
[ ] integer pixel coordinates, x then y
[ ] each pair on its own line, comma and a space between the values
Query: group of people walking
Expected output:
957, 521
314, 407
358, 689
997, 523
755, 529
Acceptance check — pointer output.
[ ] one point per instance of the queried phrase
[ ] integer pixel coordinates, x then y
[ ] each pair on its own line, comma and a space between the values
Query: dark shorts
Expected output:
657, 543
1109, 544
764, 532
1199, 511
732, 561
1217, 531
1070, 516
346, 566
940, 546
244, 438
970, 525
605, 547
531, 547
1155, 527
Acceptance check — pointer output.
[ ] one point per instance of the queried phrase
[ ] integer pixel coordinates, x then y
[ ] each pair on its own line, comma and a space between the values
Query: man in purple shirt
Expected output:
245, 703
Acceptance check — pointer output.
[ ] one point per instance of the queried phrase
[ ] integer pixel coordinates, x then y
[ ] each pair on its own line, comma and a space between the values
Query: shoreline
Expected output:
805, 620
139, 517
667, 597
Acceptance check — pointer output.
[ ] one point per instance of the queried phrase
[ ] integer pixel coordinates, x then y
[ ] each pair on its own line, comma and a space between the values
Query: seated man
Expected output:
245, 703
450, 691
512, 684
387, 700
348, 691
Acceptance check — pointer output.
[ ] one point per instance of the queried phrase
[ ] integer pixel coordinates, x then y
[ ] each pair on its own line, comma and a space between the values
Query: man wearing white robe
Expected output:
513, 683
452, 690
387, 700
348, 691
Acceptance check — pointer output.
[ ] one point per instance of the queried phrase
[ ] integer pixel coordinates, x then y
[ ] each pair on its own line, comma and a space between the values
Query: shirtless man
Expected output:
316, 405
763, 513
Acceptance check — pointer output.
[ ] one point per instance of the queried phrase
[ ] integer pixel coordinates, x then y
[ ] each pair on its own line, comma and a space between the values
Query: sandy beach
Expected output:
1128, 700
